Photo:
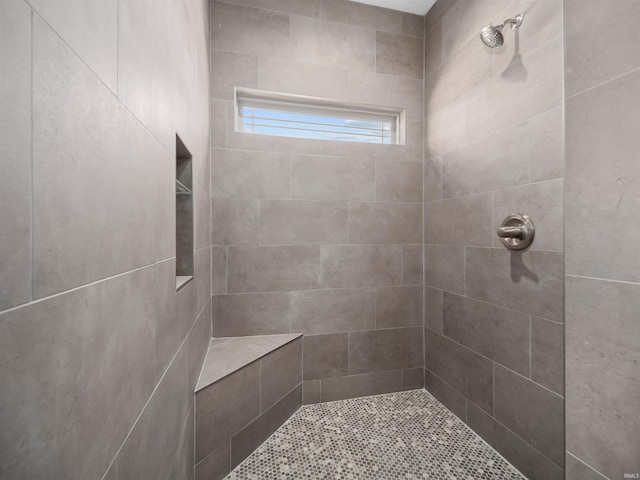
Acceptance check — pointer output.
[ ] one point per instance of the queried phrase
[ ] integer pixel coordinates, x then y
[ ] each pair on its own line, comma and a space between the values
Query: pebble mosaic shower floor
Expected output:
405, 435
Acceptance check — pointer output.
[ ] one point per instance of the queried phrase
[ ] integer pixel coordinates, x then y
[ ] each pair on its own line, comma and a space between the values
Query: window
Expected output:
267, 113
184, 215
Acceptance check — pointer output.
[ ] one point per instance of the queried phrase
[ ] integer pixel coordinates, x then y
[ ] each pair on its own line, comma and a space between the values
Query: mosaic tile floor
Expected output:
405, 435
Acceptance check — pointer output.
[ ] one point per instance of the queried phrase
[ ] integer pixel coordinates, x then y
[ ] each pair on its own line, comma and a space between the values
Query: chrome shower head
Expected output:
492, 36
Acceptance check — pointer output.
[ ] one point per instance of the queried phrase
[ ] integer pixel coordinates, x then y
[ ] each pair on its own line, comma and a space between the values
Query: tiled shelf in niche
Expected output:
184, 215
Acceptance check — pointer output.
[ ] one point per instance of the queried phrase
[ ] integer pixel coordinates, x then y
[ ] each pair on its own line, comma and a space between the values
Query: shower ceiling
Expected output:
419, 7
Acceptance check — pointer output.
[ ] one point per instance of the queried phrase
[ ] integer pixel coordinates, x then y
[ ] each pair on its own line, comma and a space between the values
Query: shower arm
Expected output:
514, 22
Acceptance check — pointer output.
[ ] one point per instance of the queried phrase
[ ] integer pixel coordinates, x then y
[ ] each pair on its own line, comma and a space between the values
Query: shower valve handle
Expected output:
510, 232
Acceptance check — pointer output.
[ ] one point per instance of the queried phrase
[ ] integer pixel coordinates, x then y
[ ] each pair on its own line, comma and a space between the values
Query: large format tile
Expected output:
294, 222
250, 174
398, 181
547, 354
80, 372
399, 55
385, 223
602, 376
149, 449
613, 55
444, 130
309, 8
495, 332
315, 177
225, 408
264, 269
90, 29
413, 378
413, 25
432, 182
529, 86
280, 372
398, 307
332, 44
15, 145
499, 161
380, 350
530, 282
339, 388
444, 267
83, 143
388, 90
412, 265
254, 434
459, 221
333, 311
543, 203
433, 49
532, 412
326, 356
303, 79
578, 470
251, 314
450, 398
353, 266
602, 170
368, 16
232, 70
216, 465
464, 370
433, 309
518, 452
235, 221
269, 35
547, 144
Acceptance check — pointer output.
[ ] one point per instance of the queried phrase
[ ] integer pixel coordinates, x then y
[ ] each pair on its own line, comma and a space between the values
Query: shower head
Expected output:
492, 36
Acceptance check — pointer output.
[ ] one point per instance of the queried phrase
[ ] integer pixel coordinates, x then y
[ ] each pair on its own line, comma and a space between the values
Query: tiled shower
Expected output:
181, 299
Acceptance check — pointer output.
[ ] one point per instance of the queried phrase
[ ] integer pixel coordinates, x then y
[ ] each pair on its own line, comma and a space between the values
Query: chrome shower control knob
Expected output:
517, 231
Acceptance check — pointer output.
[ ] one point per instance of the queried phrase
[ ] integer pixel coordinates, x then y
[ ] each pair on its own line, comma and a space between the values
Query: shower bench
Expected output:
248, 387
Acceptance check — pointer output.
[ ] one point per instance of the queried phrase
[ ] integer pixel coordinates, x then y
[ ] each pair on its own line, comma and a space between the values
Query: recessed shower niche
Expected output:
184, 215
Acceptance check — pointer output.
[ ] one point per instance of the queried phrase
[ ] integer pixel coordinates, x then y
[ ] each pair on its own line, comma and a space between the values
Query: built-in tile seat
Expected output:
248, 387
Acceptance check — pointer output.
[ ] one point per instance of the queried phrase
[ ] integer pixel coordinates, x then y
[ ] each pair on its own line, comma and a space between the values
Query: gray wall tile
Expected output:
587, 67
235, 221
547, 354
254, 434
62, 342
601, 126
398, 181
444, 267
293, 222
216, 466
250, 174
225, 408
413, 25
251, 314
63, 180
263, 269
353, 266
15, 143
578, 470
379, 350
309, 8
432, 178
445, 129
328, 43
280, 372
385, 223
531, 282
495, 332
333, 311
412, 265
433, 309
450, 398
311, 392
399, 55
459, 221
331, 179
368, 16
413, 378
543, 202
467, 372
601, 374
232, 70
340, 388
398, 307
218, 270
90, 29
547, 145
325, 356
269, 31
532, 412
